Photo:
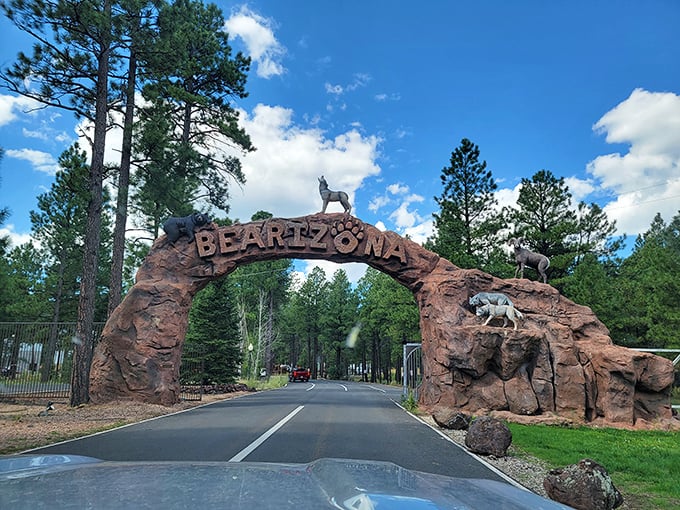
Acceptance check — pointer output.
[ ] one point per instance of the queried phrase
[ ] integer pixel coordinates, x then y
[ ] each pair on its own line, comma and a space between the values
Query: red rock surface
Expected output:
560, 360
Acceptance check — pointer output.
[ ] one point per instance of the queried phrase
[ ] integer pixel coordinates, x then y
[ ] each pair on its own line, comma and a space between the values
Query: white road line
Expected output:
252, 446
343, 386
476, 457
374, 388
311, 387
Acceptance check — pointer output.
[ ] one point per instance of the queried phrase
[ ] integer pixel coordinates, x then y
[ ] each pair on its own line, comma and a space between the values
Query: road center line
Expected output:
252, 446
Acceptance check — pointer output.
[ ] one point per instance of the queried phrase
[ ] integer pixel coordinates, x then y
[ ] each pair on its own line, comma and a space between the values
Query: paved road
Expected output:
299, 423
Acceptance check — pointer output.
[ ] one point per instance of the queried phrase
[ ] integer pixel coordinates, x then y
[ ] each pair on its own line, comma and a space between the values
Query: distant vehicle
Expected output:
299, 374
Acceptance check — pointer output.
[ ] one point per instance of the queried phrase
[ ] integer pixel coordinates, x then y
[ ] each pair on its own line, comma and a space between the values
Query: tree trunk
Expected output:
118, 255
268, 363
47, 356
84, 348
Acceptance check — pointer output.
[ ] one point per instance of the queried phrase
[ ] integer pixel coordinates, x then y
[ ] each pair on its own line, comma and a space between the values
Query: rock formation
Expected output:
560, 360
488, 436
583, 486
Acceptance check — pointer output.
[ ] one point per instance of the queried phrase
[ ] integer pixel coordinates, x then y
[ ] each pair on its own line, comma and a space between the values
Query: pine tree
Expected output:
189, 120
213, 334
466, 222
71, 62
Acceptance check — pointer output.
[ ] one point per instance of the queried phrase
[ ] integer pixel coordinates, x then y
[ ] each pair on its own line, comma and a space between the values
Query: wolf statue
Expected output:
176, 227
332, 196
500, 311
490, 298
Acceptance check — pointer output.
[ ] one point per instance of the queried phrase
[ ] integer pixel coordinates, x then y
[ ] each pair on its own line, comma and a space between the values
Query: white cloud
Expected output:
15, 238
579, 188
404, 218
420, 232
507, 197
41, 161
11, 105
382, 97
646, 179
334, 89
114, 140
359, 80
398, 188
257, 33
282, 174
377, 203
407, 220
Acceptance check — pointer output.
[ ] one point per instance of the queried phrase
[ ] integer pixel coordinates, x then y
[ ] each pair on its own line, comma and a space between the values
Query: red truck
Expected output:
299, 374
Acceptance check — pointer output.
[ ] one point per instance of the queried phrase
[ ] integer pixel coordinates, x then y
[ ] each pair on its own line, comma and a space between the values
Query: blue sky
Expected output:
375, 95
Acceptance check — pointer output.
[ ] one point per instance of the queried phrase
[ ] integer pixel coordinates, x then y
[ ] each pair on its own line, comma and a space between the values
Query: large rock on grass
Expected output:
584, 486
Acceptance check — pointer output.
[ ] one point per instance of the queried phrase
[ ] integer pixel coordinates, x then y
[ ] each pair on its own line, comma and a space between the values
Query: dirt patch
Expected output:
28, 424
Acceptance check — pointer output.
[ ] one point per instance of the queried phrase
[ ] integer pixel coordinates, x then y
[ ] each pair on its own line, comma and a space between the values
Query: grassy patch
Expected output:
410, 403
269, 383
642, 464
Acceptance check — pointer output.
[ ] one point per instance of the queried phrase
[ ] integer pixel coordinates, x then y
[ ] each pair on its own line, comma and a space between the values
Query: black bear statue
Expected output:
177, 227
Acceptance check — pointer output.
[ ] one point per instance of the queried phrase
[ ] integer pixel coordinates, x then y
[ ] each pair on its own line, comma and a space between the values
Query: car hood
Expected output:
70, 481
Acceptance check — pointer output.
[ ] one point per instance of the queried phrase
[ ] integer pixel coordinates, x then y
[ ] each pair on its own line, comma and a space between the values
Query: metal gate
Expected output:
36, 358
413, 369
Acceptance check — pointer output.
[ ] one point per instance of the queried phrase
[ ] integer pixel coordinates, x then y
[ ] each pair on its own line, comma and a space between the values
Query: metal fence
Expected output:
413, 369
36, 359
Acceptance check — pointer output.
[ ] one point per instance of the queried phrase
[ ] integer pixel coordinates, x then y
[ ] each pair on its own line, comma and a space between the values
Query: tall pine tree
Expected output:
466, 223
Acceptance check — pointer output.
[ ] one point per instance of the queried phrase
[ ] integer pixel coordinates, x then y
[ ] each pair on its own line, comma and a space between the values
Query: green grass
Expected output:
410, 403
271, 383
644, 465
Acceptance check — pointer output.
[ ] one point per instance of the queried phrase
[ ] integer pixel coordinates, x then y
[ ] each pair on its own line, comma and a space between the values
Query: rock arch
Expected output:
561, 360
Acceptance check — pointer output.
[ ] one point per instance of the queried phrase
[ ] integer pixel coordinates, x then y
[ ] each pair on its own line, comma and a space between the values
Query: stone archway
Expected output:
560, 361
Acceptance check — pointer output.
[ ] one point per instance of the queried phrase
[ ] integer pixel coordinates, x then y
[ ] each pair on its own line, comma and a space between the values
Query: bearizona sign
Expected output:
291, 236
560, 361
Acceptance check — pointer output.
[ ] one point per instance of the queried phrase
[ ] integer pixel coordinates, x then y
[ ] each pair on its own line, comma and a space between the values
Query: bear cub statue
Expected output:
176, 227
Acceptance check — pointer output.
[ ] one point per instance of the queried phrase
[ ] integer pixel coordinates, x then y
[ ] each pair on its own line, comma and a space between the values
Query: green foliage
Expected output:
192, 80
466, 225
389, 317
648, 289
267, 383
338, 319
640, 462
545, 220
26, 300
410, 403
213, 333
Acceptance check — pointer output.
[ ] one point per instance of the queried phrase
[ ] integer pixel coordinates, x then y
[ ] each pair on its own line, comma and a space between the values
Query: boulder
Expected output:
451, 419
584, 486
488, 436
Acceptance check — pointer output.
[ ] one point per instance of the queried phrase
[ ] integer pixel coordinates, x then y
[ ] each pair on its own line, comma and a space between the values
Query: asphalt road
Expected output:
298, 423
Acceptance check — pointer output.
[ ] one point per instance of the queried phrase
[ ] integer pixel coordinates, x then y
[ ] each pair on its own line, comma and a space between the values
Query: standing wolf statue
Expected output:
332, 196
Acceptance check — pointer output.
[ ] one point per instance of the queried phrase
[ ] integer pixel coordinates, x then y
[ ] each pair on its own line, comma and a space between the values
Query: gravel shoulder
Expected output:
26, 424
